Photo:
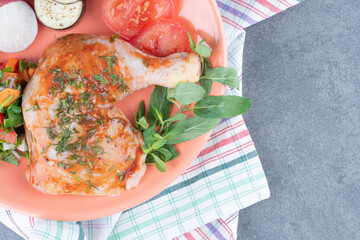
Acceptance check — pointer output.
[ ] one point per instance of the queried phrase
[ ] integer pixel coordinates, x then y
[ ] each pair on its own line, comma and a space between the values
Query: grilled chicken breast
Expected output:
79, 142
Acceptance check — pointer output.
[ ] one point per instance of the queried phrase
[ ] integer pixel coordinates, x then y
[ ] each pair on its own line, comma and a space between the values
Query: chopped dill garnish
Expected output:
63, 142
146, 62
121, 174
111, 60
50, 131
100, 78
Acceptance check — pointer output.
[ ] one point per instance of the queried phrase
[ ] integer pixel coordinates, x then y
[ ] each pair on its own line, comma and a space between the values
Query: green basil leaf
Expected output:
224, 75
157, 114
158, 144
192, 43
141, 110
203, 50
174, 132
167, 155
159, 100
173, 151
146, 150
221, 106
194, 127
149, 136
206, 65
142, 123
158, 136
200, 49
159, 164
187, 93
176, 117
1, 75
171, 93
207, 85
149, 159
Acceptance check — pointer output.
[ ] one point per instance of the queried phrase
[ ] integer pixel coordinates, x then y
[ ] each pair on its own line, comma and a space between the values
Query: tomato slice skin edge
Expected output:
10, 137
117, 13
129, 16
162, 38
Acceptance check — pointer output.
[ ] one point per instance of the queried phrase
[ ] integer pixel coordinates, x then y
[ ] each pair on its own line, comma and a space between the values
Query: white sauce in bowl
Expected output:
56, 15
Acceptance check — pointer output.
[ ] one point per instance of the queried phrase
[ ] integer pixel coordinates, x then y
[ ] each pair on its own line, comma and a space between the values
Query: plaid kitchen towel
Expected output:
203, 202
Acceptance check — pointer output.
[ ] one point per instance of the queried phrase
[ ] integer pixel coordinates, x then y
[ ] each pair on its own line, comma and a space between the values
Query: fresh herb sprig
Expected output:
25, 64
114, 36
8, 157
161, 131
111, 60
8, 69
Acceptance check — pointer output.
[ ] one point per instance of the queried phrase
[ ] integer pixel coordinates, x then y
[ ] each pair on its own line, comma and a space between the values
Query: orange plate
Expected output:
202, 19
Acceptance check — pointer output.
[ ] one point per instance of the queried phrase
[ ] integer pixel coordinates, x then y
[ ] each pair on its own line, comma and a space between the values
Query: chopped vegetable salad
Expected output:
14, 75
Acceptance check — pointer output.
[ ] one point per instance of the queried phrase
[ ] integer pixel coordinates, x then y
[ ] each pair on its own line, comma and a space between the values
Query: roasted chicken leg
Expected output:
79, 142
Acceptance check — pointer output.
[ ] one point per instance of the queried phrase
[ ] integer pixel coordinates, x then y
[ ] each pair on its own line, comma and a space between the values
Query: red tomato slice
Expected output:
146, 13
10, 137
2, 118
130, 16
117, 13
2, 66
162, 38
